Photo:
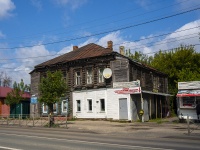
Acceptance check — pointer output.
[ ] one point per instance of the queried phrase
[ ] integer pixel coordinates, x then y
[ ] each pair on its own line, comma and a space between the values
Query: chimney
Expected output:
75, 48
121, 50
110, 45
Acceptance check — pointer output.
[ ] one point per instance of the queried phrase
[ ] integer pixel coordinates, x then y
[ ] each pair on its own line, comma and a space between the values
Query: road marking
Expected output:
88, 142
9, 148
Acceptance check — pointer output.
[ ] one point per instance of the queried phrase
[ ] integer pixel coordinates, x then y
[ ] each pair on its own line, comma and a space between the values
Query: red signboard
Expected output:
135, 90
187, 95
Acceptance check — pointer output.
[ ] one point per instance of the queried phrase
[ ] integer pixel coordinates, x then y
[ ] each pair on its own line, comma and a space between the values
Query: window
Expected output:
188, 102
102, 104
45, 108
78, 78
101, 78
89, 105
55, 108
78, 102
155, 82
89, 76
64, 105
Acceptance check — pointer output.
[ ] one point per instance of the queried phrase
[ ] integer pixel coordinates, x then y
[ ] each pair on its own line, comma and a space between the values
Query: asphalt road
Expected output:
14, 138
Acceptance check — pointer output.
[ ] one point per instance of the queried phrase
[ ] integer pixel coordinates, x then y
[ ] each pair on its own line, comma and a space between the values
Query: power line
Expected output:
163, 42
167, 49
115, 44
99, 19
114, 30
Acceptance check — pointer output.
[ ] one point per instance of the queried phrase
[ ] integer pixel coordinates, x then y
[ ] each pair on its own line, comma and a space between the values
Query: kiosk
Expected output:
188, 97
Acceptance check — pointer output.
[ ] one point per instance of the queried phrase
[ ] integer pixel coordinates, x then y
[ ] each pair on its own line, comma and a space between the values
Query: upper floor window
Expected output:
155, 82
100, 73
78, 78
89, 76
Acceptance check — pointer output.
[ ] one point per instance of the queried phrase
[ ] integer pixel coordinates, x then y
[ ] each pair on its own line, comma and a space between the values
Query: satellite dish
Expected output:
107, 73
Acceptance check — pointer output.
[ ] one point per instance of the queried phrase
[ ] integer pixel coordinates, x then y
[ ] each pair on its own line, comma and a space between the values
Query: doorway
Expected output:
123, 109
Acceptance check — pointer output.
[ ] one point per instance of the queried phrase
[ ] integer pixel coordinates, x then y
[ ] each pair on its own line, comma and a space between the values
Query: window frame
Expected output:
89, 75
100, 76
183, 104
89, 105
62, 106
78, 106
46, 111
102, 110
78, 78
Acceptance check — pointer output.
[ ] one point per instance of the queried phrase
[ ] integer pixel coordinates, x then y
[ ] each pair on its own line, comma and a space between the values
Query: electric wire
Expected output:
147, 38
105, 32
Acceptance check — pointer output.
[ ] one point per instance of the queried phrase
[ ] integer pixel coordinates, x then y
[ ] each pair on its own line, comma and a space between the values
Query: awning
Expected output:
187, 95
156, 93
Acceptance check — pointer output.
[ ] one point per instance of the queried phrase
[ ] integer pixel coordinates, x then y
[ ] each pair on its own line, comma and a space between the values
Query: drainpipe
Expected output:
142, 106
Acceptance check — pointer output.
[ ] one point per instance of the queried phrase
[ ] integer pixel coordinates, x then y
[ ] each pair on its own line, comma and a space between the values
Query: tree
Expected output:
51, 88
5, 80
139, 56
16, 95
180, 64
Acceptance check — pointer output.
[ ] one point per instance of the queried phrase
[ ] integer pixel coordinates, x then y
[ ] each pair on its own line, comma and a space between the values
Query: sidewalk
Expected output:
167, 128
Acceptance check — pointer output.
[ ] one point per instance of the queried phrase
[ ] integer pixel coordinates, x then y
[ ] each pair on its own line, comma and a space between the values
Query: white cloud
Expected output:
2, 35
20, 68
24, 66
66, 49
74, 4
187, 4
37, 4
6, 6
186, 35
143, 3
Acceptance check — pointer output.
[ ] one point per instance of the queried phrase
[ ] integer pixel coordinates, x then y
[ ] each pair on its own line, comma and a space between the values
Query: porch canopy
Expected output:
156, 93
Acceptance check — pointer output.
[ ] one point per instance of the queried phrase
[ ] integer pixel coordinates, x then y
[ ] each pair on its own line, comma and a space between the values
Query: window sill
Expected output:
102, 112
89, 112
78, 112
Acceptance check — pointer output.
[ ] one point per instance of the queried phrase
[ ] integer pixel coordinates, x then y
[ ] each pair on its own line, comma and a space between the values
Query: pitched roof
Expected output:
5, 90
87, 51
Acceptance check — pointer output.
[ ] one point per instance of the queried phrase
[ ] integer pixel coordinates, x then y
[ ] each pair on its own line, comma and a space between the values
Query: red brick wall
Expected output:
1, 102
4, 109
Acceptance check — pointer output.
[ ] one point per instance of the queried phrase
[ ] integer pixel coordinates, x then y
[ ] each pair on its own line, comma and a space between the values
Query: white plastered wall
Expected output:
111, 104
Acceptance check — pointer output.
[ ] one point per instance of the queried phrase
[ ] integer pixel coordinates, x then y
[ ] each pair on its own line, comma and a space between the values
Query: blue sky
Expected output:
28, 27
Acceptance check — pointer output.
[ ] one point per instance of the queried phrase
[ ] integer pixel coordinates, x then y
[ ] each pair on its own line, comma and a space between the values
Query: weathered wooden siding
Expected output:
120, 68
35, 80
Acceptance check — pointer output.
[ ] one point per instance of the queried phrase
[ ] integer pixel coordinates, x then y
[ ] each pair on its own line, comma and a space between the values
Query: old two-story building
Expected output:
103, 83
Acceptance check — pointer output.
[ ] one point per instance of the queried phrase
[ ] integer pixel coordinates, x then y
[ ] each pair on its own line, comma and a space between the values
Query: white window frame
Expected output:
78, 106
78, 77
45, 111
100, 75
66, 103
88, 103
89, 76
43, 108
187, 105
101, 105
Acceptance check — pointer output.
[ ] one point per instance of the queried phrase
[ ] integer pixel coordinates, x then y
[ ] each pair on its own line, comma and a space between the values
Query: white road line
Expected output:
9, 148
87, 142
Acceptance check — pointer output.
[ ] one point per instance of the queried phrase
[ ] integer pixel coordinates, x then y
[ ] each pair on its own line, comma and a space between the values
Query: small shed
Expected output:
6, 110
